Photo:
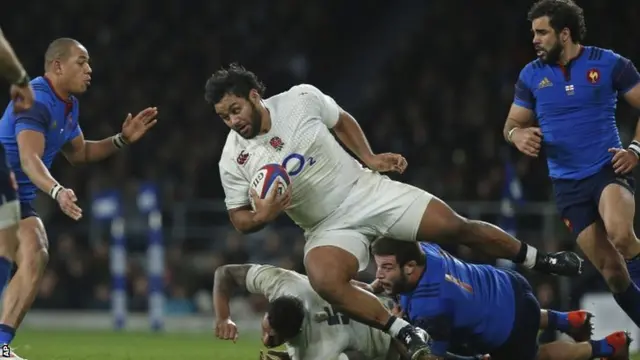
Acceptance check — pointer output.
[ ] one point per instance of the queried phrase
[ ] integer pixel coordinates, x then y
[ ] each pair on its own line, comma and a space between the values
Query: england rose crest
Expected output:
277, 143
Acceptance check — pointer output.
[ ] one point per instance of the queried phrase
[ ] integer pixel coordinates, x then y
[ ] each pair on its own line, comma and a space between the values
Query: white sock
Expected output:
530, 258
397, 325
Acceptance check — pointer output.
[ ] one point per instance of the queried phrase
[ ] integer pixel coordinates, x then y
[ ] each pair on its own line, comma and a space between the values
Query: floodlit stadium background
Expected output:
429, 79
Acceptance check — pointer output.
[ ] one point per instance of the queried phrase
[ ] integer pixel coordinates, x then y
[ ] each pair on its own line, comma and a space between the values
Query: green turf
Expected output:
67, 345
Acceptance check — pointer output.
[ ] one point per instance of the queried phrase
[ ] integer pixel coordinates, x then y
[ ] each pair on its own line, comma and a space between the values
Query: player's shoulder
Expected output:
299, 91
43, 93
595, 53
530, 70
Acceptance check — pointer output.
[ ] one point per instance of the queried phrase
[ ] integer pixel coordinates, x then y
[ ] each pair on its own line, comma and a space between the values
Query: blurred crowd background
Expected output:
432, 80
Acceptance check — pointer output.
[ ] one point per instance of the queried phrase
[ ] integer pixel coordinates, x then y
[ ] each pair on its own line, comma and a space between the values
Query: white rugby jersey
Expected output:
322, 172
319, 340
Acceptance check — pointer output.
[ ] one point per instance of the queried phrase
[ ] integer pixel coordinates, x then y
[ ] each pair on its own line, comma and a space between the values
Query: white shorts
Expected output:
9, 214
376, 207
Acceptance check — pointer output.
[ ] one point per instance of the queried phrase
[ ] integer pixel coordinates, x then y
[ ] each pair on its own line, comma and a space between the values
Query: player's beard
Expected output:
401, 285
553, 55
256, 123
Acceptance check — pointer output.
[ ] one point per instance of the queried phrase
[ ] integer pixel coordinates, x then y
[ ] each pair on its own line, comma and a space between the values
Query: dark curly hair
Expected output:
285, 315
404, 251
562, 14
234, 80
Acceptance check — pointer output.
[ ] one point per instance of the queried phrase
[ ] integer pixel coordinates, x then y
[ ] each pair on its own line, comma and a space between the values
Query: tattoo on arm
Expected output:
229, 277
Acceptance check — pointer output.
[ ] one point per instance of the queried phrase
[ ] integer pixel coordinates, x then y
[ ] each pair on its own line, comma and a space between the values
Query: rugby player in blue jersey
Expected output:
565, 102
483, 308
32, 139
21, 100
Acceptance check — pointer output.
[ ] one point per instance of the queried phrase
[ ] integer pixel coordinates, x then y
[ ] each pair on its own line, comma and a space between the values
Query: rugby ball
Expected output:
266, 178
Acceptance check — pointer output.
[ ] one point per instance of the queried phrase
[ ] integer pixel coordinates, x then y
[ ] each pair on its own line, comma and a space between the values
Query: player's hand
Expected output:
623, 160
274, 355
528, 140
397, 311
67, 200
387, 162
135, 128
22, 97
564, 263
376, 287
272, 205
227, 330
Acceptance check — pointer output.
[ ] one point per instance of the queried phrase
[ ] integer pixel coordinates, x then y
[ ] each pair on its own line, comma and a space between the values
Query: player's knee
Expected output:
36, 262
616, 276
623, 238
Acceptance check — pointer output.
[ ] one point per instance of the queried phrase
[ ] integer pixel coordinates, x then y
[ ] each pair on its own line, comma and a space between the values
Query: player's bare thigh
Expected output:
439, 222
32, 239
617, 208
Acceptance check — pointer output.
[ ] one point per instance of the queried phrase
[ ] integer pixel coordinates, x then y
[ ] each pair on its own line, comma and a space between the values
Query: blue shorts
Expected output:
522, 344
27, 210
578, 200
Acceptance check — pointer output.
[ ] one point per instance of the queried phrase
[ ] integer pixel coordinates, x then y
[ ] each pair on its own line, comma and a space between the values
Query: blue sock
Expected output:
558, 321
629, 301
7, 334
6, 266
633, 265
600, 348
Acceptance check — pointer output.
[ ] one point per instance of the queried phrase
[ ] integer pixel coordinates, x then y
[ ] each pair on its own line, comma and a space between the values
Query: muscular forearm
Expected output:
247, 221
37, 172
636, 136
351, 135
509, 125
10, 67
222, 290
99, 150
226, 279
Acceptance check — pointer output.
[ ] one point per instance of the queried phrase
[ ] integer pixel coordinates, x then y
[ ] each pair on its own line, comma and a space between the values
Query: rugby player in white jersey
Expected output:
340, 205
299, 318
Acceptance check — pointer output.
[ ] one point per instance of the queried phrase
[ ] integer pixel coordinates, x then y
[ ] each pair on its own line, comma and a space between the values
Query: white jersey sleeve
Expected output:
273, 282
235, 185
327, 107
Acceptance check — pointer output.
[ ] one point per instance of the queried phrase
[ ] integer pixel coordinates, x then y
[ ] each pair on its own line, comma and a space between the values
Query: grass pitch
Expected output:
74, 345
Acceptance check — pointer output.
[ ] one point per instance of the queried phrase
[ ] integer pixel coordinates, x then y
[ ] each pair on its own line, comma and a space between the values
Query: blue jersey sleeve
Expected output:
625, 75
37, 118
523, 96
75, 133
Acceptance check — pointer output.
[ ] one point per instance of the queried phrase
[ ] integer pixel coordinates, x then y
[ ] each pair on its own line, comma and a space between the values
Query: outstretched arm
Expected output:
351, 135
10, 67
227, 278
81, 151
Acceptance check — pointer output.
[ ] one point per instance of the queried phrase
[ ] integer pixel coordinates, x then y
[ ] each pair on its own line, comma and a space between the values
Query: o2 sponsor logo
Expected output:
295, 163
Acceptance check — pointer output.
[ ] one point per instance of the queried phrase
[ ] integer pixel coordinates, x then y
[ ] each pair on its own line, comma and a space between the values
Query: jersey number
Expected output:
336, 317
295, 163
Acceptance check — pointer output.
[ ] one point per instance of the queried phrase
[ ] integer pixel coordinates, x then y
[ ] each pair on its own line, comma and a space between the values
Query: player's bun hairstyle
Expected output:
404, 251
562, 14
285, 315
234, 80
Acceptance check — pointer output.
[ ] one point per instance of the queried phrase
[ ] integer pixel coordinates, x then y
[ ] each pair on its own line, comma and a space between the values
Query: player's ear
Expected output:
564, 35
410, 267
254, 96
